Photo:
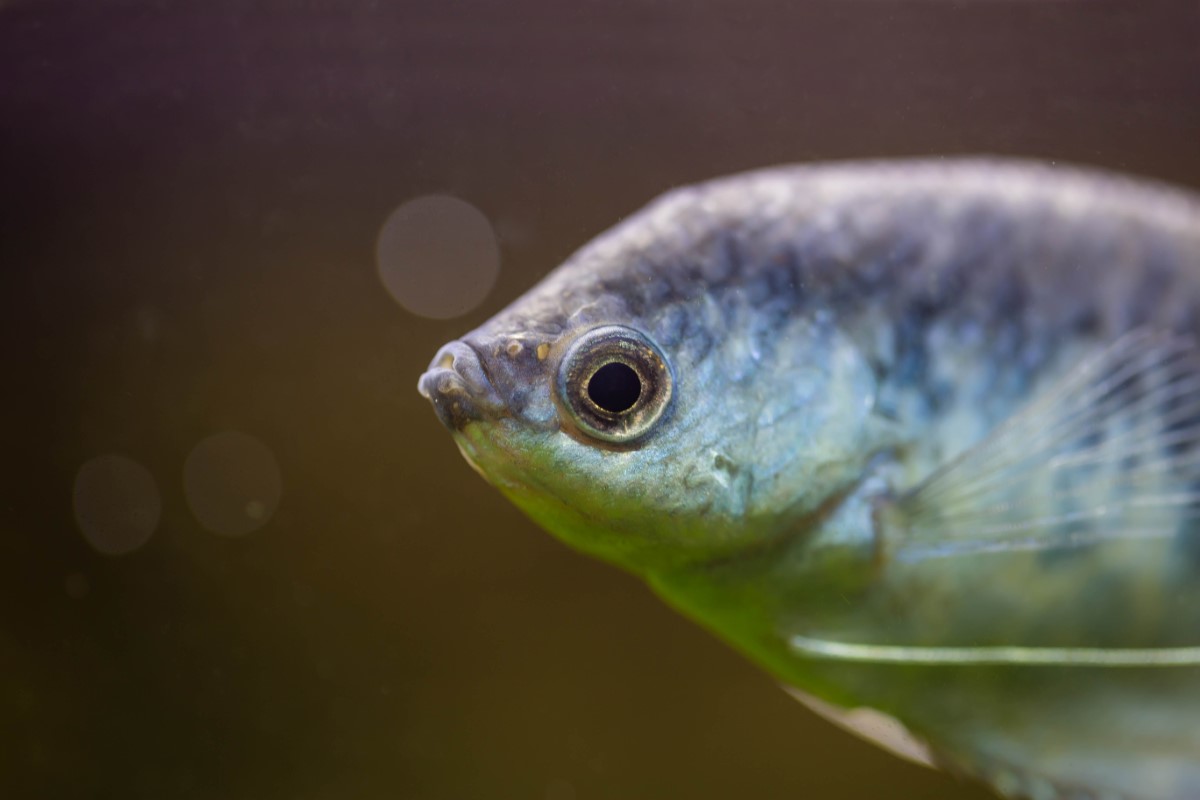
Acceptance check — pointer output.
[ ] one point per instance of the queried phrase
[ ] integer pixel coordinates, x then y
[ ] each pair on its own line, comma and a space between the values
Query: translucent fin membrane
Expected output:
1111, 452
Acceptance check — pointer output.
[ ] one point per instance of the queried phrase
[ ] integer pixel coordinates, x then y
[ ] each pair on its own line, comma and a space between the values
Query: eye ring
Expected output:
614, 384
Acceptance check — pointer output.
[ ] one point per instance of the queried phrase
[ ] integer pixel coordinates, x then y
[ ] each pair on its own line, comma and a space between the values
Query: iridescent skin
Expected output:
836, 334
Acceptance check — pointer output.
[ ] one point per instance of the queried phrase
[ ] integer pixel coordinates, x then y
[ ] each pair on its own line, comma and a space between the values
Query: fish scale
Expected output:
926, 445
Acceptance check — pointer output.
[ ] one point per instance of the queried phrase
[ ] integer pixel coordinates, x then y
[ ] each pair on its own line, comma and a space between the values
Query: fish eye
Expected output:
614, 383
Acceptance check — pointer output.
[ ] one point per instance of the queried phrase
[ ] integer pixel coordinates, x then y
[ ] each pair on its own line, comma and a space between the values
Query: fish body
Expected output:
920, 438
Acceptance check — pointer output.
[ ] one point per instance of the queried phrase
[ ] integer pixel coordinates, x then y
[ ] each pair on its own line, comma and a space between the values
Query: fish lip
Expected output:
458, 386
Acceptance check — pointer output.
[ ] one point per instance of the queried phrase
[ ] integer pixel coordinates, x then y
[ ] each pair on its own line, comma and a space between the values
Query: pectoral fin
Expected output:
1111, 452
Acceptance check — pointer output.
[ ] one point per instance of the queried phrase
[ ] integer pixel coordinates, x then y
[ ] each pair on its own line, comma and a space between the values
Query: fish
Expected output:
921, 438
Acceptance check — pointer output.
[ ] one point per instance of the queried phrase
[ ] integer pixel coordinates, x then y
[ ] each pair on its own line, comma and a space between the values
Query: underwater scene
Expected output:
590, 400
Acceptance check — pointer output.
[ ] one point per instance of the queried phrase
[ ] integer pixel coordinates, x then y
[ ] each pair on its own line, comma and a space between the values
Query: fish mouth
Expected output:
458, 387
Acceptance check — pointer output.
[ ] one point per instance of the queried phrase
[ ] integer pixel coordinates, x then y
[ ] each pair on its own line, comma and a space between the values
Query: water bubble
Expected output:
232, 483
117, 504
437, 256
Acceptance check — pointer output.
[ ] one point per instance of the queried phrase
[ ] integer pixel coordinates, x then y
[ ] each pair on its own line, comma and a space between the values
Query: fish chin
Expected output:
468, 454
496, 454
547, 474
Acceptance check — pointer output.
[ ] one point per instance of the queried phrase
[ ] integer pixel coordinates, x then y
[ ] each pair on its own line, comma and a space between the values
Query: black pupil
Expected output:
615, 387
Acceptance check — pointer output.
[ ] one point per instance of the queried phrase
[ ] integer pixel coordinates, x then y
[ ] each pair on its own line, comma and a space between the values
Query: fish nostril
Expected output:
445, 362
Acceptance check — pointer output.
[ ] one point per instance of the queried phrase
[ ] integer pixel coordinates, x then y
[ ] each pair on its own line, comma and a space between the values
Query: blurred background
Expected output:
239, 557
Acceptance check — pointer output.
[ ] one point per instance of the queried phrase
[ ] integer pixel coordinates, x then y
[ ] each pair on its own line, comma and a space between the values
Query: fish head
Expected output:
649, 407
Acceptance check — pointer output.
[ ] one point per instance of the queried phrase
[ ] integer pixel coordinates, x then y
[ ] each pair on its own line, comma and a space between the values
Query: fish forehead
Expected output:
812, 228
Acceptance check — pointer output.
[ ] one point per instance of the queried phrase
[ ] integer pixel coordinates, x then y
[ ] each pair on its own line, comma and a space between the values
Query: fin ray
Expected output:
1111, 451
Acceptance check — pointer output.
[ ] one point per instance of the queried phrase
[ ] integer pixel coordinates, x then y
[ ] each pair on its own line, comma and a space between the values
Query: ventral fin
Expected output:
1110, 452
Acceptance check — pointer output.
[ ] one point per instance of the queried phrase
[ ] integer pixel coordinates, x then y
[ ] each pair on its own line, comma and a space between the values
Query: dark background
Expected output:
217, 173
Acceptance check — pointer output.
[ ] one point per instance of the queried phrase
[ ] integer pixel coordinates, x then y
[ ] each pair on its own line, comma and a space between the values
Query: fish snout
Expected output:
458, 387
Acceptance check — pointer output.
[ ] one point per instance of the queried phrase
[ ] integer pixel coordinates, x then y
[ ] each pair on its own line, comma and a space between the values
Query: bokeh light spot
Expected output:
437, 256
117, 504
232, 483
